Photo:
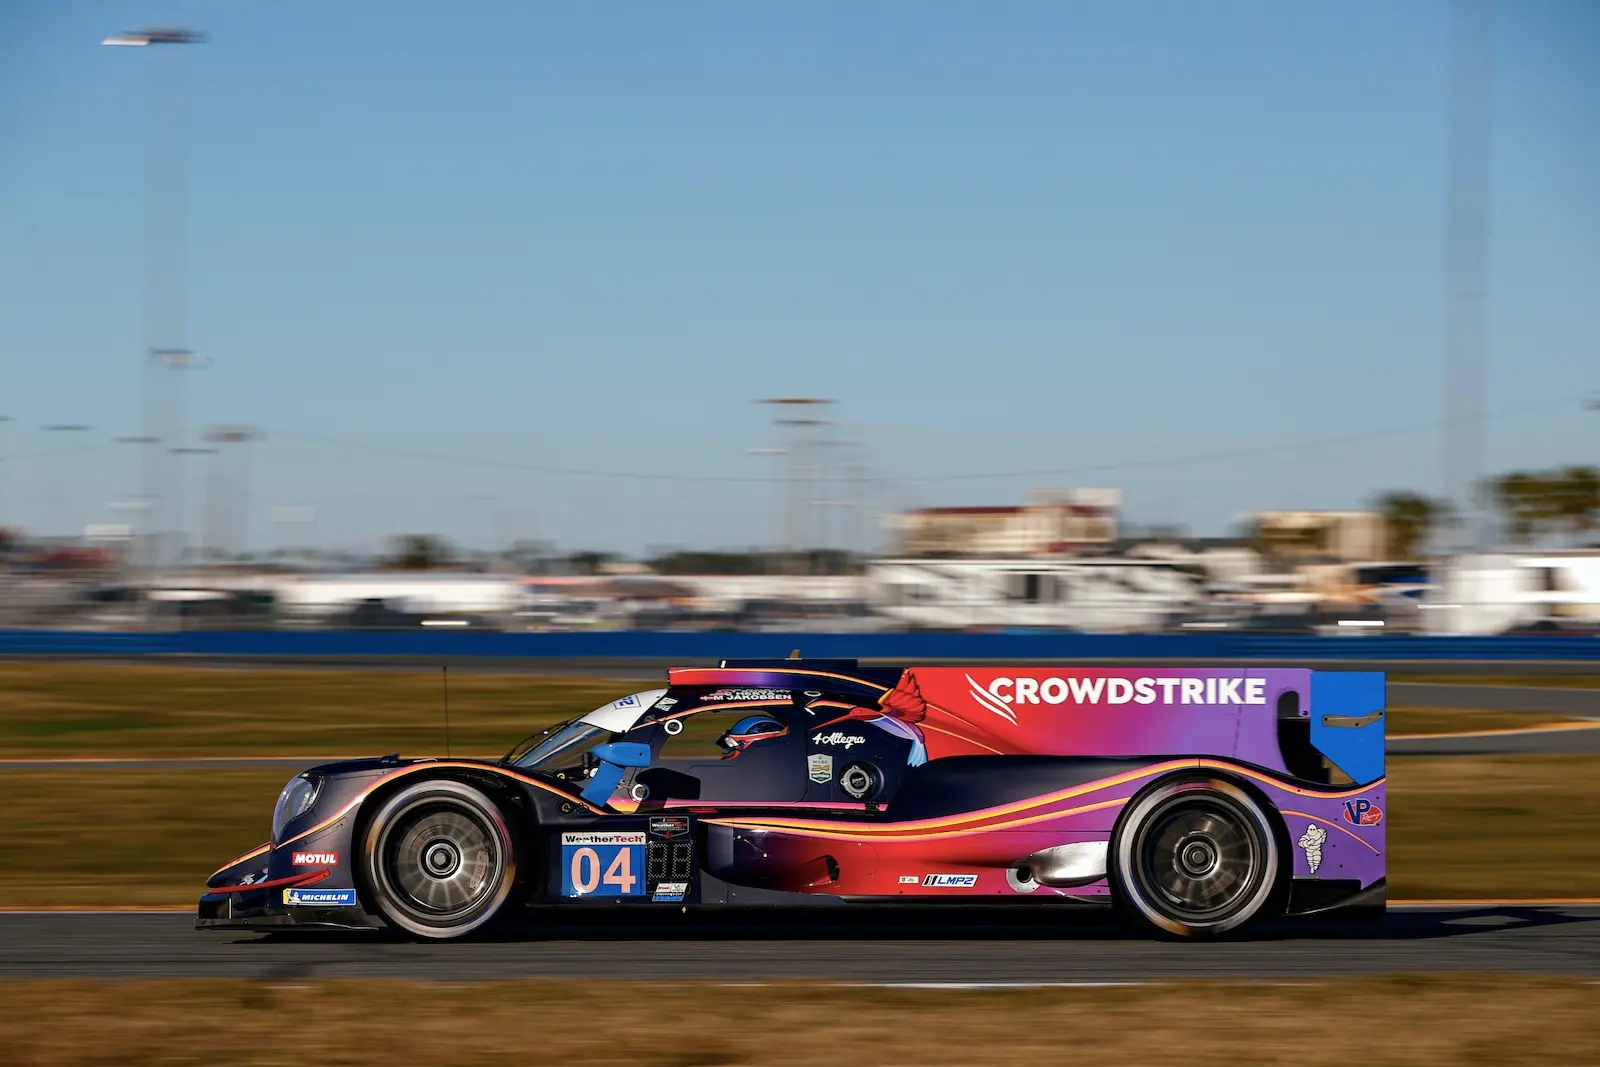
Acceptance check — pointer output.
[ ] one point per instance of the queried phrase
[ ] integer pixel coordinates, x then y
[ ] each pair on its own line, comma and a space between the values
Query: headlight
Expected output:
295, 800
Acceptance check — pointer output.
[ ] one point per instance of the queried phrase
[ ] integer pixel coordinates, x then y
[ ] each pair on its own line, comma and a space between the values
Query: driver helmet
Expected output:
747, 731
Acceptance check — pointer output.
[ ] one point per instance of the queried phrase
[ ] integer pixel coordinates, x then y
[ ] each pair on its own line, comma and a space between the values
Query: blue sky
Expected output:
1060, 243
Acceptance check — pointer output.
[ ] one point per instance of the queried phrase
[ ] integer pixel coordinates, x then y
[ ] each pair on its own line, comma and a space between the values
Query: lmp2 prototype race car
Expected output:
1192, 801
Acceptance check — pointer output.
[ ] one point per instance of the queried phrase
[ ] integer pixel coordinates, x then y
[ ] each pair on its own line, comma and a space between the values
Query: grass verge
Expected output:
1458, 827
1527, 681
55, 708
1404, 1022
1494, 826
96, 709
1403, 720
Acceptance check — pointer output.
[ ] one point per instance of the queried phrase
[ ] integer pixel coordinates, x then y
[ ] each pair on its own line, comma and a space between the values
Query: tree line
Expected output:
1532, 506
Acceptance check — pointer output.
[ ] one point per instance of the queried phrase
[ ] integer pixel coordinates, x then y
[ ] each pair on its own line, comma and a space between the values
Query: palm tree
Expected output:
1577, 499
1408, 519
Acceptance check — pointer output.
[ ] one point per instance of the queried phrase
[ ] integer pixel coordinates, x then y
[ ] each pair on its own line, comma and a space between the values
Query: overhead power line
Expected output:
1188, 459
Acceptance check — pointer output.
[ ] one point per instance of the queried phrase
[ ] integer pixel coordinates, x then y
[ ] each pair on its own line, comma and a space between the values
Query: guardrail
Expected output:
694, 647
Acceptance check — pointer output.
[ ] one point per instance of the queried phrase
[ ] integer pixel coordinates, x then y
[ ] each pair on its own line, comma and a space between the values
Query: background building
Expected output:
1345, 535
1055, 523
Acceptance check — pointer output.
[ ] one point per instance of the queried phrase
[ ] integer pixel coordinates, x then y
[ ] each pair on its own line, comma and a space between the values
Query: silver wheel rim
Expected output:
439, 860
1197, 858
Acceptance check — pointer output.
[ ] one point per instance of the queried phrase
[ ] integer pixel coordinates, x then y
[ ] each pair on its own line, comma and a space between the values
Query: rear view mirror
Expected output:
623, 754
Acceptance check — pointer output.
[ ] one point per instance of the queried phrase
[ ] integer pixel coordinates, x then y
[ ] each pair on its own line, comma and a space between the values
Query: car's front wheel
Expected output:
1196, 858
439, 859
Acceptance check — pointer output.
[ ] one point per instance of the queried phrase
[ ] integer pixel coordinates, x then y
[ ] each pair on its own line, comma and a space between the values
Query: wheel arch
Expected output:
507, 797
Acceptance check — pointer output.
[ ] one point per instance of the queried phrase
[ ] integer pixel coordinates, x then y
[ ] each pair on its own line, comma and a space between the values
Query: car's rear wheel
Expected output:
440, 859
1195, 858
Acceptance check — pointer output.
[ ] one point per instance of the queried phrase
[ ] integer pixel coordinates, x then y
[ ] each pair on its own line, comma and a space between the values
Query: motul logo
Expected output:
315, 859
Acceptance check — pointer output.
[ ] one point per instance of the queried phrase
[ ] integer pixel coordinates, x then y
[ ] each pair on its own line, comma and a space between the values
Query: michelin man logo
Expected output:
1312, 841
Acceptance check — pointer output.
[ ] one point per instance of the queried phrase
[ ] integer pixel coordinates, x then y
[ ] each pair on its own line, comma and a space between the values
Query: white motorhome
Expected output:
1098, 594
314, 597
1491, 594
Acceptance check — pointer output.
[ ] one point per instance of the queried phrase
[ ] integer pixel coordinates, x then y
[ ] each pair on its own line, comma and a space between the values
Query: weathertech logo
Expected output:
315, 859
1000, 695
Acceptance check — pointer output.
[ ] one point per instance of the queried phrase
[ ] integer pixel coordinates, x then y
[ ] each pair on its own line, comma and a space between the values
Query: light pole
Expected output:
66, 489
233, 506
207, 529
777, 532
1468, 209
798, 428
5, 434
165, 310
178, 360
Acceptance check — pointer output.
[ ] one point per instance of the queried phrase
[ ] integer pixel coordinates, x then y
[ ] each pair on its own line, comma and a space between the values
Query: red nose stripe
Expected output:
293, 879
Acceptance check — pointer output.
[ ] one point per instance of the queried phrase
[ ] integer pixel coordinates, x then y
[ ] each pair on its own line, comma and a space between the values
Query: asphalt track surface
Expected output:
868, 946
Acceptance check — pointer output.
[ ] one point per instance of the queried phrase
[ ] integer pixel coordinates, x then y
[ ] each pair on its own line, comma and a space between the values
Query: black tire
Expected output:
1195, 858
439, 859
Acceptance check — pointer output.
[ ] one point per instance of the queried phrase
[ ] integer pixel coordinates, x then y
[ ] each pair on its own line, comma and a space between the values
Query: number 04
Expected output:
586, 871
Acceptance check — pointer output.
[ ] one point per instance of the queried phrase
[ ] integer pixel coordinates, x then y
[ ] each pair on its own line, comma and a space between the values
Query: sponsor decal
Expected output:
602, 865
724, 695
1362, 812
849, 741
670, 890
669, 826
315, 859
1312, 841
951, 881
1002, 695
320, 898
910, 879
666, 702
820, 766
623, 837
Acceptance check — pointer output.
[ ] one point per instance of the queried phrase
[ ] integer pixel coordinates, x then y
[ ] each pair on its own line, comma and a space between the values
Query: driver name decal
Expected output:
736, 695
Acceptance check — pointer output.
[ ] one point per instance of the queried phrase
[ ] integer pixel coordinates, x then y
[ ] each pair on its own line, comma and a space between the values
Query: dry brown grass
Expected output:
1494, 826
1530, 681
55, 708
98, 709
126, 837
1394, 1021
1405, 720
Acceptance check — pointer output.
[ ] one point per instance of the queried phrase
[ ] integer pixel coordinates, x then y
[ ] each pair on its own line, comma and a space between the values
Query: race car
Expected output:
1190, 801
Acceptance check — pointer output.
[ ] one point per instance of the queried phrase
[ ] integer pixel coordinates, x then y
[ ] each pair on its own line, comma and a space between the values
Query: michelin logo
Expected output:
1000, 695
1312, 841
320, 898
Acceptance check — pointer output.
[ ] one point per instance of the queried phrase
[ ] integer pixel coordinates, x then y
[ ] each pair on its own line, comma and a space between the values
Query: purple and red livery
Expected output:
1193, 801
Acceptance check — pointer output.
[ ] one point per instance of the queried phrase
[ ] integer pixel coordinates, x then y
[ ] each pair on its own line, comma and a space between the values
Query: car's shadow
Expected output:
900, 923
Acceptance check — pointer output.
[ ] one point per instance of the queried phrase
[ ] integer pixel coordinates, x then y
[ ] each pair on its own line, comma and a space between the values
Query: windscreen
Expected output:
558, 748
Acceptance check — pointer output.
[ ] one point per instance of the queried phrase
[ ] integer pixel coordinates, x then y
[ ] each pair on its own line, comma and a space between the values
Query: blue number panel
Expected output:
602, 865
